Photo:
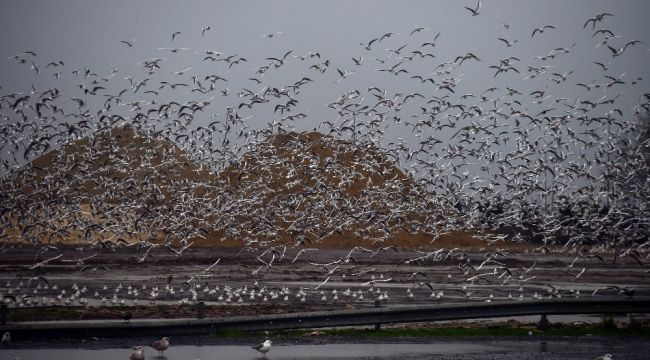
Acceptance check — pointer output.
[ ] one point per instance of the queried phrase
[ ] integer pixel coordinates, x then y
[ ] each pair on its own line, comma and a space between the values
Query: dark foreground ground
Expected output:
335, 348
104, 287
117, 279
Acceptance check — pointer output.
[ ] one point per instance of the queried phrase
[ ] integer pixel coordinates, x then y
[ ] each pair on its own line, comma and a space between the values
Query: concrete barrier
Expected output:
321, 319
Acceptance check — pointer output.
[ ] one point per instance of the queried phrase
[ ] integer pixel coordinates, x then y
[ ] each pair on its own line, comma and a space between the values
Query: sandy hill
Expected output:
125, 186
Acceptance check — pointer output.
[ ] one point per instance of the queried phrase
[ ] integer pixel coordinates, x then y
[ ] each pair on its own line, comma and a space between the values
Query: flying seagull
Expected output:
541, 30
474, 11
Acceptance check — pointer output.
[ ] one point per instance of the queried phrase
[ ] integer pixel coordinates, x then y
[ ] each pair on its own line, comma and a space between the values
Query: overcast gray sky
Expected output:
88, 33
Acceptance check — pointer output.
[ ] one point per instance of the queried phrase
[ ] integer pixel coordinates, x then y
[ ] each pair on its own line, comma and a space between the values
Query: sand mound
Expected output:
123, 186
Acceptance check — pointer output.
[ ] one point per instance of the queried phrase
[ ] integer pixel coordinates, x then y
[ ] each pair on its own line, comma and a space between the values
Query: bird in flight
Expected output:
175, 34
280, 61
344, 74
418, 30
594, 20
508, 43
619, 51
203, 30
541, 30
182, 71
474, 11
270, 35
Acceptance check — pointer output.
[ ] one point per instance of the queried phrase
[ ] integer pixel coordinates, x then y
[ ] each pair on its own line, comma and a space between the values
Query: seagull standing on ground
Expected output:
263, 347
161, 345
6, 339
138, 353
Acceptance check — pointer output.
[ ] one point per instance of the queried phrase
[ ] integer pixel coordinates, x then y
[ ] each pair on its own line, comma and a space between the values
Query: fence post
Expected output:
4, 312
543, 324
200, 310
377, 304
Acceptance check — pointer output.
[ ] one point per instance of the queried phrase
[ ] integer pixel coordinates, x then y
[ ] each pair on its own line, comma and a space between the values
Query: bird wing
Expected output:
614, 51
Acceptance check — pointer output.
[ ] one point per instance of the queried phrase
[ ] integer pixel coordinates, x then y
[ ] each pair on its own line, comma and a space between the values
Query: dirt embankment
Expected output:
123, 186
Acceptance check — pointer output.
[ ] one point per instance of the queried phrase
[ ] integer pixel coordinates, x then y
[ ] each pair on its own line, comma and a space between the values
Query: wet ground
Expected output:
478, 348
116, 278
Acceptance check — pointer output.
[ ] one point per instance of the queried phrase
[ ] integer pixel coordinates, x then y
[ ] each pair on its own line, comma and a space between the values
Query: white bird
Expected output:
604, 357
343, 74
263, 347
6, 339
138, 353
161, 345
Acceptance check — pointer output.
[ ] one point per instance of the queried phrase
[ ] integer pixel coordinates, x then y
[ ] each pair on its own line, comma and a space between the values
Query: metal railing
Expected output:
321, 319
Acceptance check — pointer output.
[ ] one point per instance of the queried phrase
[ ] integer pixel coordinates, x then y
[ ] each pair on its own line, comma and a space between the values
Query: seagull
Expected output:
6, 339
344, 74
541, 30
594, 20
263, 347
474, 11
128, 43
182, 71
619, 51
270, 35
508, 43
604, 357
207, 28
280, 61
161, 345
138, 353
175, 34
418, 30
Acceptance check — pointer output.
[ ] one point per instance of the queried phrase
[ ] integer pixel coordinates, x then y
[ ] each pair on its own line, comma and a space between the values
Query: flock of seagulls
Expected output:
570, 171
173, 155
